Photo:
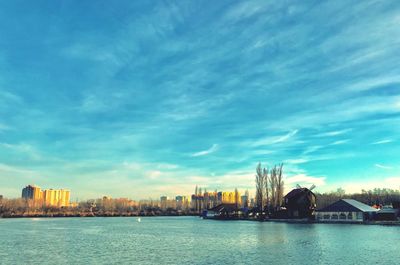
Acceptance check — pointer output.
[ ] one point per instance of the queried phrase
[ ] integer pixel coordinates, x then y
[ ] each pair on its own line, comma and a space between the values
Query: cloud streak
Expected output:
211, 150
383, 167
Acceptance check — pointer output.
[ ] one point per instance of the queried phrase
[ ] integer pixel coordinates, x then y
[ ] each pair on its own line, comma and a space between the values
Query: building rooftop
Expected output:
296, 192
348, 205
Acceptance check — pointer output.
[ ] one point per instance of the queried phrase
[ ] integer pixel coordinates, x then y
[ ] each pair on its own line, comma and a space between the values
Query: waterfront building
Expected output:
32, 192
229, 197
210, 199
163, 202
386, 213
223, 211
182, 202
245, 201
59, 198
346, 210
300, 203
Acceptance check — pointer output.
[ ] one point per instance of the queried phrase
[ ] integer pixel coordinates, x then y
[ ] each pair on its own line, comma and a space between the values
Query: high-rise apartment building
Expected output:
32, 192
58, 198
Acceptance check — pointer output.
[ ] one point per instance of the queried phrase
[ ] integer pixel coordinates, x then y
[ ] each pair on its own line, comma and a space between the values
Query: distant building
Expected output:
182, 202
300, 203
387, 213
163, 202
32, 192
229, 197
197, 202
346, 210
59, 198
245, 201
223, 211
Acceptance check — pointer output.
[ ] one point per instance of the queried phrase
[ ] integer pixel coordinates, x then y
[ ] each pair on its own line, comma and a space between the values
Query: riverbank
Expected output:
88, 215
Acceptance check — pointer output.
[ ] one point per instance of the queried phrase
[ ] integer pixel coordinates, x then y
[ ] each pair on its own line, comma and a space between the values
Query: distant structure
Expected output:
346, 210
300, 203
229, 197
163, 202
32, 192
59, 198
182, 202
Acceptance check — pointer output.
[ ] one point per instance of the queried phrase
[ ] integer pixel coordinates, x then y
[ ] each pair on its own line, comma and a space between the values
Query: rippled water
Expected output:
190, 240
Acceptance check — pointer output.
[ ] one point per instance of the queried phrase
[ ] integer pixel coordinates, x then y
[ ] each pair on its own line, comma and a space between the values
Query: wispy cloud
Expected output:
212, 149
385, 141
275, 139
303, 179
312, 149
339, 142
297, 161
383, 166
158, 93
334, 133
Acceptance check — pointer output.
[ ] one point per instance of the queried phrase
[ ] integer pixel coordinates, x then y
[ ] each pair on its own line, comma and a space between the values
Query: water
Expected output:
190, 240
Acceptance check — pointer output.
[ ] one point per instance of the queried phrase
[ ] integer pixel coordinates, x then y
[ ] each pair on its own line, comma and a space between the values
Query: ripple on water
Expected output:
190, 240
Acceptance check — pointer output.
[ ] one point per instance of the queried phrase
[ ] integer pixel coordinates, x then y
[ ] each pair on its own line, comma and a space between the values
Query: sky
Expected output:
140, 99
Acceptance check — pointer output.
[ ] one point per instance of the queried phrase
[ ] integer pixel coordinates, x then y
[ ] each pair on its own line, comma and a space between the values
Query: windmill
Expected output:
304, 191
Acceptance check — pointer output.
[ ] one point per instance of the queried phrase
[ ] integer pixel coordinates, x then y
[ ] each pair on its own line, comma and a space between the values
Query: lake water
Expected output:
191, 240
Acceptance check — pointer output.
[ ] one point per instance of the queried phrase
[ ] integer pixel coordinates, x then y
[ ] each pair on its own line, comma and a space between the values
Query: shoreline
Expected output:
288, 221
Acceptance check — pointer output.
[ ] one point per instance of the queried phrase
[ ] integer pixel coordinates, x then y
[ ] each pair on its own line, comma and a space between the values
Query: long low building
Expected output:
346, 210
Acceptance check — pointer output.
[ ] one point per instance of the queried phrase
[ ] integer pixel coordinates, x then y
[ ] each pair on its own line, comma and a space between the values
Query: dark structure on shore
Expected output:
300, 203
347, 210
223, 211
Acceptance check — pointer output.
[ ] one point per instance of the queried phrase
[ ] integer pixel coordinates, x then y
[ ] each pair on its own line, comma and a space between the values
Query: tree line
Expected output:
269, 188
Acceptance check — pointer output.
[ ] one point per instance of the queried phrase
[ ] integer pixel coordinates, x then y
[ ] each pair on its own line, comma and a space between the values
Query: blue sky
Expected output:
139, 98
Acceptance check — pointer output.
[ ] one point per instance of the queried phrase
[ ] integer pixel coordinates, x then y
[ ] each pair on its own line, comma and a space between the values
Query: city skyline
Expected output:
144, 99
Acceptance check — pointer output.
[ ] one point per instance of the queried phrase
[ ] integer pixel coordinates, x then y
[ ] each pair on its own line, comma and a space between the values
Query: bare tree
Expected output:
279, 186
272, 185
265, 176
260, 188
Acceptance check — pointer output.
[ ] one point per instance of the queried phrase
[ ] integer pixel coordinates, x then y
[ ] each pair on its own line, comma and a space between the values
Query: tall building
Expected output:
182, 202
32, 192
229, 197
58, 198
163, 202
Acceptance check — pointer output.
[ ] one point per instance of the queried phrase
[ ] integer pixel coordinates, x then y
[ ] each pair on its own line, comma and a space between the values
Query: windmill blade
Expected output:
312, 187
298, 186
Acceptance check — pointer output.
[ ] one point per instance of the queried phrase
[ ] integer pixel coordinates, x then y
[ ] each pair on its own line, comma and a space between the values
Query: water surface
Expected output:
190, 240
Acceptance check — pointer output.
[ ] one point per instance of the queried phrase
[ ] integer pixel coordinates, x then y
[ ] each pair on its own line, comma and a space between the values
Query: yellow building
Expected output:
230, 197
58, 198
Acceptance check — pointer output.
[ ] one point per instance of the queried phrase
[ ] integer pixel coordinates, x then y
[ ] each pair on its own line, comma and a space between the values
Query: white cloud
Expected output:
297, 161
334, 133
22, 148
276, 139
212, 149
312, 149
393, 182
339, 142
389, 183
385, 141
303, 179
383, 167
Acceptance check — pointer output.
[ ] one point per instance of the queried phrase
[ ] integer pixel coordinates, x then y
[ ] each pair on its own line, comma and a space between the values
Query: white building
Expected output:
346, 210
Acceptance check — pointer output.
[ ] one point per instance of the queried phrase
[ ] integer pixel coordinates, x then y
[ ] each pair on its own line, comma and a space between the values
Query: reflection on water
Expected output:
190, 240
